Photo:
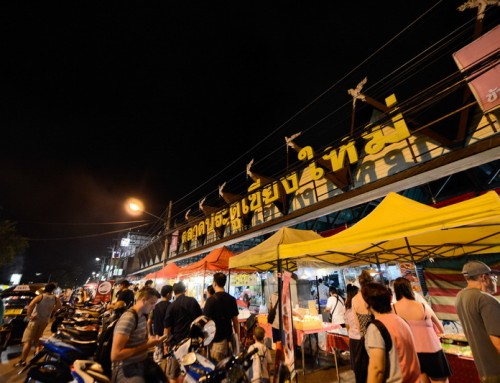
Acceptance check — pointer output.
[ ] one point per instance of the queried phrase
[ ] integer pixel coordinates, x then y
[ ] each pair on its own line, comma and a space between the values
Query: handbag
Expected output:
272, 313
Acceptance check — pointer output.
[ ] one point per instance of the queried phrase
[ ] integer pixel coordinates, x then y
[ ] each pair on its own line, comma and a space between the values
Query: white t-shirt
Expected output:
334, 302
260, 360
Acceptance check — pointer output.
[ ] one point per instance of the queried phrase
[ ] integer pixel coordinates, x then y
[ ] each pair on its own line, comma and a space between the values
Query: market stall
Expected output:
397, 230
264, 257
401, 229
199, 274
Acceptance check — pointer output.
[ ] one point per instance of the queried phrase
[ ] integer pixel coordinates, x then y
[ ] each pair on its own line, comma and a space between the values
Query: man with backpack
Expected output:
129, 351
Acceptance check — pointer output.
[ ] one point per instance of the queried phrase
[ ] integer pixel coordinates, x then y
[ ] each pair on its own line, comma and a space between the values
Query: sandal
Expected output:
21, 363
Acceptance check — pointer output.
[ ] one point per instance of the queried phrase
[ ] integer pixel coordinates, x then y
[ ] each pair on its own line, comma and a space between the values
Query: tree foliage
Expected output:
11, 243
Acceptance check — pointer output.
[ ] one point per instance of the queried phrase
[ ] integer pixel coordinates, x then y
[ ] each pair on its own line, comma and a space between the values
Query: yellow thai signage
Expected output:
259, 196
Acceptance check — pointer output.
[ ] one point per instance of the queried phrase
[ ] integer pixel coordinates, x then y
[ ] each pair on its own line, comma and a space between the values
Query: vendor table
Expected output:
463, 369
337, 340
302, 333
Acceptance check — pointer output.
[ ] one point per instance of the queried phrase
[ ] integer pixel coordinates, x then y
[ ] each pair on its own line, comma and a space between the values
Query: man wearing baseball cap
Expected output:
479, 314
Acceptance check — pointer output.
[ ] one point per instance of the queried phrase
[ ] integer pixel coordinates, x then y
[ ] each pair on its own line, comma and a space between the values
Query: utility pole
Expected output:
166, 247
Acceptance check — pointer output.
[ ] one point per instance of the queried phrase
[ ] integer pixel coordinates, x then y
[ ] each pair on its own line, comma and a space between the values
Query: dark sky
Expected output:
163, 101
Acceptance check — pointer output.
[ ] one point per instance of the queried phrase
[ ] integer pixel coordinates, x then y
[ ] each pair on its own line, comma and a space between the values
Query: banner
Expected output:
485, 81
286, 305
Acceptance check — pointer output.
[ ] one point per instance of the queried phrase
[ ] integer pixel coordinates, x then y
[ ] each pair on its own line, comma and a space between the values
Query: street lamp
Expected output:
135, 207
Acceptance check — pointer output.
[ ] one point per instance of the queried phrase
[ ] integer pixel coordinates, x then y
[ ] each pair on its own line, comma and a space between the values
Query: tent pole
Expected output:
280, 292
204, 275
409, 250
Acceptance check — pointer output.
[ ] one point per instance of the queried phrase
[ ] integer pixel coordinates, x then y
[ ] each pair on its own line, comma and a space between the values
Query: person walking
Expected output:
335, 305
479, 314
434, 366
223, 310
130, 342
362, 316
399, 364
124, 298
39, 313
262, 360
321, 293
350, 320
157, 318
178, 318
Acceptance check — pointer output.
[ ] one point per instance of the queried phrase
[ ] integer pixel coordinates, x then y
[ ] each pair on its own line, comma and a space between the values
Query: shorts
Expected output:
434, 364
172, 368
34, 331
219, 350
119, 376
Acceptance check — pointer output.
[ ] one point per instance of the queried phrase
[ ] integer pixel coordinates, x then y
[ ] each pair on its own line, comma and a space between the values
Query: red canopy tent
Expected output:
170, 271
216, 260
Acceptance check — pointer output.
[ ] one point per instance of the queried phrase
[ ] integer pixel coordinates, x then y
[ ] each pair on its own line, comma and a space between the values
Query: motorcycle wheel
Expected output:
5, 334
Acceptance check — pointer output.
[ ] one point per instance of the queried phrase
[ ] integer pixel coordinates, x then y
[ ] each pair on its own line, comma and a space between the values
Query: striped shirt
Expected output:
137, 336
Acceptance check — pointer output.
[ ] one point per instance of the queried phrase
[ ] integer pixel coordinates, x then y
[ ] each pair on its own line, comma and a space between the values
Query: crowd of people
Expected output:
393, 335
414, 352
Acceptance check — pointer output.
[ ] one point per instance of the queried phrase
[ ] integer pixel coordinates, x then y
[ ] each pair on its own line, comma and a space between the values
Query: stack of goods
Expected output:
455, 344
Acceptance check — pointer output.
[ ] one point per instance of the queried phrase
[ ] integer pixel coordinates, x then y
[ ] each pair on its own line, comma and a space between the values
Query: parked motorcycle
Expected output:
53, 362
193, 364
231, 370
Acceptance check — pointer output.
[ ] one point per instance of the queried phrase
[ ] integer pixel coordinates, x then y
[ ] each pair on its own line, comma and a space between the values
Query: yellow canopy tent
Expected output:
264, 256
400, 229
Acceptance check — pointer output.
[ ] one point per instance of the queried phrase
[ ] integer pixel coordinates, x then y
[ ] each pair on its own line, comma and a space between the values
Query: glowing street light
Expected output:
135, 207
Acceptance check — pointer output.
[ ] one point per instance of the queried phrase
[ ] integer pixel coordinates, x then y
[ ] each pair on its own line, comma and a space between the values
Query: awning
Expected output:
216, 260
170, 271
265, 255
400, 229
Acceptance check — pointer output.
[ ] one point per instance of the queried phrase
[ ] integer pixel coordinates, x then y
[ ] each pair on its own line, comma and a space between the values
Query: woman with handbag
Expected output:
335, 305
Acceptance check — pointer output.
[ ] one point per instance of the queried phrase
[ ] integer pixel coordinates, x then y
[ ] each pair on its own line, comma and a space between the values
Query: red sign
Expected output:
104, 291
485, 81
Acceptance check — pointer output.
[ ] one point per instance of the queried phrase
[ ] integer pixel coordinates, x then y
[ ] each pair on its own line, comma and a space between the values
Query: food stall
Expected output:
460, 358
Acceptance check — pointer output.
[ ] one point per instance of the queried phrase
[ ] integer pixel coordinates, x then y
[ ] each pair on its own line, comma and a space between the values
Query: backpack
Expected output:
258, 362
361, 357
272, 313
105, 342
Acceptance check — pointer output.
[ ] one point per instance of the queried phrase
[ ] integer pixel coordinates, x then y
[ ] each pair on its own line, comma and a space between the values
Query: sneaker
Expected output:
21, 363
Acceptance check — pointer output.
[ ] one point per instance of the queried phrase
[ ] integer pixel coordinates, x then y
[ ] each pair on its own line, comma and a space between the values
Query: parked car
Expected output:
16, 300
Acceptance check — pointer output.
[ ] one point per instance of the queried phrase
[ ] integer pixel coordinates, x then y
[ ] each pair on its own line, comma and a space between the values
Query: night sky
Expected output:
162, 101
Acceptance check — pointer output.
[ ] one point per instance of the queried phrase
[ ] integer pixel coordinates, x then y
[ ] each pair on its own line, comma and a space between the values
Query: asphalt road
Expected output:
9, 357
8, 373
322, 370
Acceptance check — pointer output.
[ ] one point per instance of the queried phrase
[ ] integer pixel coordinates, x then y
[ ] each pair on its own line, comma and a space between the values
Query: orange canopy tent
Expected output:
170, 271
216, 260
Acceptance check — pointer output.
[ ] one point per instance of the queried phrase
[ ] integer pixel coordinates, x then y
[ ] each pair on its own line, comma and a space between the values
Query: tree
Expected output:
11, 243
